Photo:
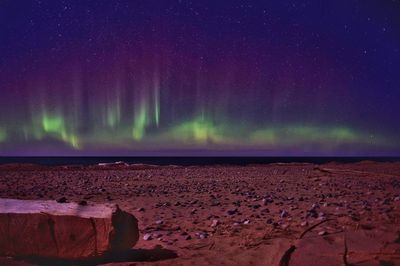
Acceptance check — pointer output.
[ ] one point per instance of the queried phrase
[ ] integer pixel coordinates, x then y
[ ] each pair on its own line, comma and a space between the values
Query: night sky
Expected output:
275, 78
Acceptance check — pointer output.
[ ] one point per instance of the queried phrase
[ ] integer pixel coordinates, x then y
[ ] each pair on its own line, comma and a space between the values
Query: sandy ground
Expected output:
276, 214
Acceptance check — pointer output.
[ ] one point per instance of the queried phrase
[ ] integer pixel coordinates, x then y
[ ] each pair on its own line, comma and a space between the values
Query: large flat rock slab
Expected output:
64, 230
364, 247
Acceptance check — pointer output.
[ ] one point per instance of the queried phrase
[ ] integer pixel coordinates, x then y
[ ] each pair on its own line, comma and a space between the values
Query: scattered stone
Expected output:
252, 202
314, 206
266, 201
284, 214
156, 235
147, 237
312, 213
201, 235
215, 203
214, 223
232, 212
263, 211
62, 200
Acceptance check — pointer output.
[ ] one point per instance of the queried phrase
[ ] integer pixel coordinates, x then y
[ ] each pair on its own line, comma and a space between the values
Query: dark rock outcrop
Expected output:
66, 231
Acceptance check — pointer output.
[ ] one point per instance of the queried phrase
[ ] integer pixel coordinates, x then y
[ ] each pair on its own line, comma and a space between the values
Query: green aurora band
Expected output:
135, 120
3, 135
52, 126
200, 78
199, 132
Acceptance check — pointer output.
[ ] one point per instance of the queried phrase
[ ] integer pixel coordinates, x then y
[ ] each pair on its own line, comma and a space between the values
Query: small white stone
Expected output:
214, 223
147, 237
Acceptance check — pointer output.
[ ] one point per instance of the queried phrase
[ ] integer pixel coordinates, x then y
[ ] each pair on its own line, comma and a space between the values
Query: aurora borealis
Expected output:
178, 77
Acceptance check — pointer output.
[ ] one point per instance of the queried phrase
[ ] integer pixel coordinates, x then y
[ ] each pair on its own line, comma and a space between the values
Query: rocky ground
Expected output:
275, 214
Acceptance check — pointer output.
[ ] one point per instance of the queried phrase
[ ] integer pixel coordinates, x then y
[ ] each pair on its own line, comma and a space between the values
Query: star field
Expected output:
136, 77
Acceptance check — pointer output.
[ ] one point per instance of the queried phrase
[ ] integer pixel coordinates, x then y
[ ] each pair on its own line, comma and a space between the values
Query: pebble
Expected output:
201, 235
215, 203
62, 200
265, 211
232, 212
305, 223
147, 237
214, 223
312, 213
265, 201
156, 235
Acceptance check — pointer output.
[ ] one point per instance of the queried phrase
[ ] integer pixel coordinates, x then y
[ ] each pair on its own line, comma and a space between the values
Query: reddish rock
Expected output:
67, 230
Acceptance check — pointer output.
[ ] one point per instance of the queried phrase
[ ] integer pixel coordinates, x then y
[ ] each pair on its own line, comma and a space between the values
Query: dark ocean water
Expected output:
188, 160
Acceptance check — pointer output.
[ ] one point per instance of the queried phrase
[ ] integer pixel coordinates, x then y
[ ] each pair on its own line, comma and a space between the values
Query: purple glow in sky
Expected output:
199, 77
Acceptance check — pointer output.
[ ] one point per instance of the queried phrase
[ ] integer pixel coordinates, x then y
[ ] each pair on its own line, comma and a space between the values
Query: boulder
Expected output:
64, 230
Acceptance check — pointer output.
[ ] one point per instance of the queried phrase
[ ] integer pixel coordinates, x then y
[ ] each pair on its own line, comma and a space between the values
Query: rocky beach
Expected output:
272, 214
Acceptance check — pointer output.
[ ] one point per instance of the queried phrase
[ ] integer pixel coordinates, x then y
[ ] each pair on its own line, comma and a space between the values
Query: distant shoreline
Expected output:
187, 161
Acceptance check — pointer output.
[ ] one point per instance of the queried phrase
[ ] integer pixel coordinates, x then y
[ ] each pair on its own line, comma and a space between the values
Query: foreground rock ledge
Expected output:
64, 230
